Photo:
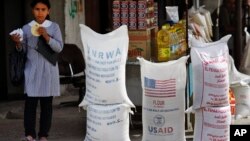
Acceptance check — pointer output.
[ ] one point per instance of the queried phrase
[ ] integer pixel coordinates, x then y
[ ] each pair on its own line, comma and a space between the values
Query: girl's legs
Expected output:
45, 116
30, 116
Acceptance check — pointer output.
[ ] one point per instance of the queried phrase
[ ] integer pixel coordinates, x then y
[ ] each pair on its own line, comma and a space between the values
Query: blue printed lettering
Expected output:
160, 130
102, 54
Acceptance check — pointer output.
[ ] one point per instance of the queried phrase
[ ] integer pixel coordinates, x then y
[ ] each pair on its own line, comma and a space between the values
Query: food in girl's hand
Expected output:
34, 29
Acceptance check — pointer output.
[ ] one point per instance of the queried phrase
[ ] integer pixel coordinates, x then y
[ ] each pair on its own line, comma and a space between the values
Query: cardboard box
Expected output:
141, 43
139, 35
139, 48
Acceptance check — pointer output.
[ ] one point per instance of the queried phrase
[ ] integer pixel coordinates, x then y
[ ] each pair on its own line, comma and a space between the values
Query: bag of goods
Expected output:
172, 14
108, 122
242, 99
212, 124
210, 73
235, 76
105, 57
163, 86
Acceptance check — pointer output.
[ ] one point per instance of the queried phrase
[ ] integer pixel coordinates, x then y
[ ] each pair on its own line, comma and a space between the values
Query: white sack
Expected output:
105, 58
210, 73
242, 99
241, 111
235, 77
108, 122
163, 113
212, 124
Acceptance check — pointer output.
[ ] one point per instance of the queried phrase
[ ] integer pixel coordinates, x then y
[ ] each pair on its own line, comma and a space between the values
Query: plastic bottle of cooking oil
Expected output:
163, 50
180, 30
173, 42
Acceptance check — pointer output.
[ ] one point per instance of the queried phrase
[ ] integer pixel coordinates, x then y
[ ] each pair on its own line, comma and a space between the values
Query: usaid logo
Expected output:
159, 120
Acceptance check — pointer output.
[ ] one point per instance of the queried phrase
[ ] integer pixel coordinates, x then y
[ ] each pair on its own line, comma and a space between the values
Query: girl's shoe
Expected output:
28, 138
43, 139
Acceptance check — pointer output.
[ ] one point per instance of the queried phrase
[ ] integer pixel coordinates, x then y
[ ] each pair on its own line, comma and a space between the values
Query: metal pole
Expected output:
238, 37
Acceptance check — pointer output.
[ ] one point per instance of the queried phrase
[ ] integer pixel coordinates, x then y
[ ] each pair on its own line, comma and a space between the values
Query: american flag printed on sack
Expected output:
159, 88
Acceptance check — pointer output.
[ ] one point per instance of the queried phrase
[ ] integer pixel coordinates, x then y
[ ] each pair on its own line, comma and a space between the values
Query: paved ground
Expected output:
68, 122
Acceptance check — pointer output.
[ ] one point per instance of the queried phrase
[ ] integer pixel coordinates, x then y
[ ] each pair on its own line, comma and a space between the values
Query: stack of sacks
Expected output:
163, 113
106, 100
211, 88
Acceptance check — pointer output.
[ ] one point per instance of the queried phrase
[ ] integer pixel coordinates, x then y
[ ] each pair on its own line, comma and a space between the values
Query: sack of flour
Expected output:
105, 58
212, 124
108, 122
163, 86
210, 73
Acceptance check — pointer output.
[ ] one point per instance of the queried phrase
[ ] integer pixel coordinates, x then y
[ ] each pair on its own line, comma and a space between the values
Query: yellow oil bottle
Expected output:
163, 50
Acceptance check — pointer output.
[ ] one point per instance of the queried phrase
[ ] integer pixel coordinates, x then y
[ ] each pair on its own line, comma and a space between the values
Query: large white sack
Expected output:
108, 122
105, 58
235, 77
210, 73
242, 98
239, 83
212, 124
163, 113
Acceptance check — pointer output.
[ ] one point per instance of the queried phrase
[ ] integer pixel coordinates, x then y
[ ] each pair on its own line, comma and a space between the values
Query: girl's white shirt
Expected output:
46, 23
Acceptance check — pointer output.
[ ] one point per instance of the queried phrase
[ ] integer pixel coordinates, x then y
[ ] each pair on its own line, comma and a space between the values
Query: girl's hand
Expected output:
16, 38
43, 32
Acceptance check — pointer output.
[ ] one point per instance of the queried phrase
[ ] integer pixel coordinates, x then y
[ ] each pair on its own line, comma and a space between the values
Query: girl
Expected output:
41, 77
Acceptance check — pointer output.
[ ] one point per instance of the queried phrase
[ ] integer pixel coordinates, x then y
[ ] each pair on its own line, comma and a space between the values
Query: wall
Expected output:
74, 12
13, 19
3, 85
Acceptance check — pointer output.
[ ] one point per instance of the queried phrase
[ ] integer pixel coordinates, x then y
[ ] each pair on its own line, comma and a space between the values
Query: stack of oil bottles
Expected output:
171, 41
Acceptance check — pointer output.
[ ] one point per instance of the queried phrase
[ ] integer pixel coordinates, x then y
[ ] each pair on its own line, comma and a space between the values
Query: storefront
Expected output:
98, 16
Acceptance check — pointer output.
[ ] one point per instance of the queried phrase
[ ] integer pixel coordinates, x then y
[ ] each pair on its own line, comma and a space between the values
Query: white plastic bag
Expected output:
210, 73
105, 58
18, 31
163, 86
172, 13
